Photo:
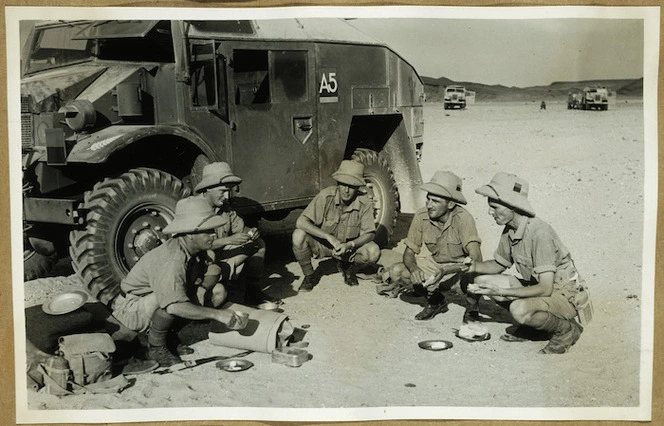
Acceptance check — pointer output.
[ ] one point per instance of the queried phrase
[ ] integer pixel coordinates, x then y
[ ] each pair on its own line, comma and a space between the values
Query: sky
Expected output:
515, 52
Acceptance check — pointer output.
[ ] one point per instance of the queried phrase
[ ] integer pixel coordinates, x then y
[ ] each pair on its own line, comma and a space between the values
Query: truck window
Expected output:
204, 85
208, 79
252, 82
255, 83
53, 47
290, 76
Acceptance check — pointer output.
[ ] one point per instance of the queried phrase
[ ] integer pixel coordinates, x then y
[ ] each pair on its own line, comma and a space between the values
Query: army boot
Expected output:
347, 269
565, 334
309, 282
162, 355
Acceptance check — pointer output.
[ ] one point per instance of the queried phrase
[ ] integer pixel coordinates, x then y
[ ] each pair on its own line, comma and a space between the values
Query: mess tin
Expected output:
293, 357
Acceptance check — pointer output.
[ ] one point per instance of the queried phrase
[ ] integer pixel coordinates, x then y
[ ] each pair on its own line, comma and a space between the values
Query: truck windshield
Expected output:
67, 43
54, 47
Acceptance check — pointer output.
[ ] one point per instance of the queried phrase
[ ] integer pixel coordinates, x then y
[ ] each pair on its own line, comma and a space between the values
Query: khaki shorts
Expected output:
558, 303
135, 312
425, 261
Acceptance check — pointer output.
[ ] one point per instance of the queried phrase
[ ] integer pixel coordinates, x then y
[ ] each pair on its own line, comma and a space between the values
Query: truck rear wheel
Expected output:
125, 220
382, 188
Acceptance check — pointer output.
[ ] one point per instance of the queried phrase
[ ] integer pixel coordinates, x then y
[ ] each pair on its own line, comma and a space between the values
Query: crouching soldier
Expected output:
449, 234
338, 223
239, 252
169, 282
544, 298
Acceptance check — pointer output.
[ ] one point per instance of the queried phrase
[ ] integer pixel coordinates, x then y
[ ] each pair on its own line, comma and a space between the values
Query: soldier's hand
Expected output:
333, 242
468, 266
254, 234
342, 249
484, 289
239, 239
438, 275
417, 276
473, 288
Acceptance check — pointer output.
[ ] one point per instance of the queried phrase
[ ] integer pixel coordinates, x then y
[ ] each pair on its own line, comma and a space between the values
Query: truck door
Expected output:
274, 144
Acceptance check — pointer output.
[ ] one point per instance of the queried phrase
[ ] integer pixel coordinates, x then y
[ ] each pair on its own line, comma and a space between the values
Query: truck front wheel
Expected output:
382, 189
125, 220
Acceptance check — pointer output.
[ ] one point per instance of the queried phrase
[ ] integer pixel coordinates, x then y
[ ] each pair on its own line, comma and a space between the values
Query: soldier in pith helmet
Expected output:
546, 296
337, 223
168, 282
239, 252
441, 237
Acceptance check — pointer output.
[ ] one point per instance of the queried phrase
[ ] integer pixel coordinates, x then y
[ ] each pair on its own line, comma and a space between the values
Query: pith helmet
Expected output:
193, 214
445, 184
215, 174
350, 173
510, 190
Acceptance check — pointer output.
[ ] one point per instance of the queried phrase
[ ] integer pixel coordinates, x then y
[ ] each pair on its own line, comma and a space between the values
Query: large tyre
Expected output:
36, 265
196, 174
125, 219
382, 189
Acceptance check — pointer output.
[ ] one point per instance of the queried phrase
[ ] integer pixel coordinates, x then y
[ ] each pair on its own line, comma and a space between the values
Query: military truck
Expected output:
119, 118
455, 97
595, 97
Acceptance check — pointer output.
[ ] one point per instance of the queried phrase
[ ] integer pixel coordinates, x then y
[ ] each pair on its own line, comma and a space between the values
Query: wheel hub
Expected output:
143, 231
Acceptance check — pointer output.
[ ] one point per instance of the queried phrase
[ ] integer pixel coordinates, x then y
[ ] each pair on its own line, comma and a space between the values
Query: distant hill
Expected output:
435, 88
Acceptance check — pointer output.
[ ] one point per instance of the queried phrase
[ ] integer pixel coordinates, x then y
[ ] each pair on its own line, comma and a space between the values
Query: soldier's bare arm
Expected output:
417, 275
194, 312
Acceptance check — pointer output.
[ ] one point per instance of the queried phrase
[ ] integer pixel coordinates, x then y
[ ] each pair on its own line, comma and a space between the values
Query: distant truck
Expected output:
591, 97
455, 97
118, 119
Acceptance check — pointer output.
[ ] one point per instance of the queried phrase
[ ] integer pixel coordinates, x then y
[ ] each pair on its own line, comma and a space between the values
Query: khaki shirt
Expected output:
346, 223
169, 271
233, 224
534, 248
447, 242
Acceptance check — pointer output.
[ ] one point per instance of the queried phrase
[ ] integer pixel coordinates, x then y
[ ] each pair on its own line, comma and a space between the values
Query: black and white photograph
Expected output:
333, 213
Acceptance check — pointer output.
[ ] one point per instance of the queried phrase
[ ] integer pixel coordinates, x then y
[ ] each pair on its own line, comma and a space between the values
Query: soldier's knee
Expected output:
373, 252
299, 237
397, 271
219, 295
521, 311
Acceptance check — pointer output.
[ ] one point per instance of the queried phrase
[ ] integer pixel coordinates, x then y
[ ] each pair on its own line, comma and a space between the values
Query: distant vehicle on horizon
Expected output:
591, 97
455, 97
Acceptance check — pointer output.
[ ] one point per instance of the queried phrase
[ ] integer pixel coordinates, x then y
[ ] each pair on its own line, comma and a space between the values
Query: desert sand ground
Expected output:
586, 171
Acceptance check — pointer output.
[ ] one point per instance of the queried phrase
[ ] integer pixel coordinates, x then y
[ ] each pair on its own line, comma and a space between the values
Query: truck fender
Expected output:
99, 147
